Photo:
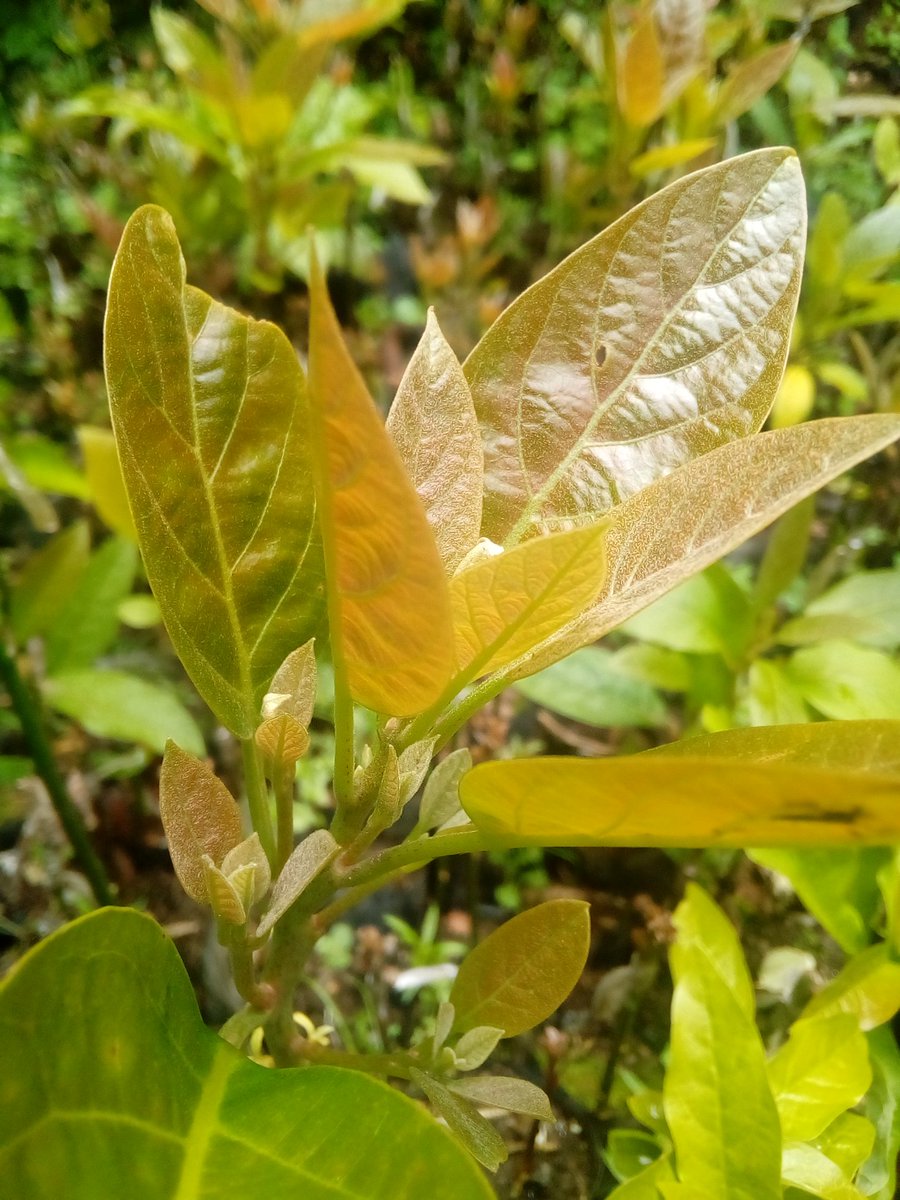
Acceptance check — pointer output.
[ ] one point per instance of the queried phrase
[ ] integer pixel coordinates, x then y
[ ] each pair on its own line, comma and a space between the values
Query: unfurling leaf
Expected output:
718, 1104
211, 405
282, 739
507, 604
502, 1091
249, 854
479, 1137
819, 784
311, 857
389, 610
476, 1046
224, 894
433, 425
661, 339
199, 815
440, 800
412, 766
293, 687
524, 970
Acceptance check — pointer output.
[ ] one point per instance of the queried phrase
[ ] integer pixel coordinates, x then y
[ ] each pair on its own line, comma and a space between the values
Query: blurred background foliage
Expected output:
448, 153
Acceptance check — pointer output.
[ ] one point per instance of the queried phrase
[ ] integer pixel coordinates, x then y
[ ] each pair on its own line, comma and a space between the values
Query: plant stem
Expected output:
326, 917
258, 798
283, 785
414, 854
28, 710
398, 1064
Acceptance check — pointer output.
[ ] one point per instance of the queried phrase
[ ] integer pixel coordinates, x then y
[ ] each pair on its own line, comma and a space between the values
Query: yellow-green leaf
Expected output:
718, 1104
200, 817
104, 477
639, 73
821, 1071
662, 338
818, 784
433, 425
210, 415
506, 604
868, 987
524, 970
684, 522
389, 608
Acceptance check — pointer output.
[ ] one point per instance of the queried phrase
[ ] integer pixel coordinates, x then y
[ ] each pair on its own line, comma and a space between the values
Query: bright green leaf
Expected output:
115, 704
821, 1071
49, 578
212, 405
869, 600
662, 338
588, 686
769, 697
88, 622
810, 1170
847, 682
848, 1141
524, 970
868, 987
718, 1104
708, 614
146, 1102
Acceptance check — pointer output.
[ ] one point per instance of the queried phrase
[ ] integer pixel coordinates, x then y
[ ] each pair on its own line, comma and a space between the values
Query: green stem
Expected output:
258, 797
414, 854
398, 1065
28, 711
284, 809
326, 917
454, 718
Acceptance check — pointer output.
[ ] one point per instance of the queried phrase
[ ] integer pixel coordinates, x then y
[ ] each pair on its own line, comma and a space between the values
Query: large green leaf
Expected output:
662, 338
389, 608
718, 1104
819, 784
868, 600
685, 521
112, 1086
210, 415
847, 682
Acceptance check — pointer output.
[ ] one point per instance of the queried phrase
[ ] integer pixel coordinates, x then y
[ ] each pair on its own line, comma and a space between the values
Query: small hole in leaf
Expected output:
600, 356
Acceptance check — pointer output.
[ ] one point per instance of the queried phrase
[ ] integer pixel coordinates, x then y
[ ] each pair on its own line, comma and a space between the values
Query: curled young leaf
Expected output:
433, 425
282, 739
249, 855
226, 895
311, 857
389, 610
524, 970
476, 1046
292, 691
200, 816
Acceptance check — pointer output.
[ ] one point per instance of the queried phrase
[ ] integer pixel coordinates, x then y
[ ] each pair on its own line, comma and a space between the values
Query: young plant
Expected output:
599, 446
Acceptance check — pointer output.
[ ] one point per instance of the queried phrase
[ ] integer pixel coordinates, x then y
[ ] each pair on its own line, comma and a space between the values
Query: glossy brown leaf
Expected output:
807, 785
433, 425
200, 817
689, 519
210, 415
661, 339
389, 609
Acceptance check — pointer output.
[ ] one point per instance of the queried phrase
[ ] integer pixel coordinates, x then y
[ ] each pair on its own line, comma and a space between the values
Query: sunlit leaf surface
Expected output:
113, 1087
806, 785
662, 338
210, 416
682, 523
389, 609
433, 425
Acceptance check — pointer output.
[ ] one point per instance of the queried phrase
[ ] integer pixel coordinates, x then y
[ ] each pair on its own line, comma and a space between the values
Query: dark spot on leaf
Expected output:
600, 356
